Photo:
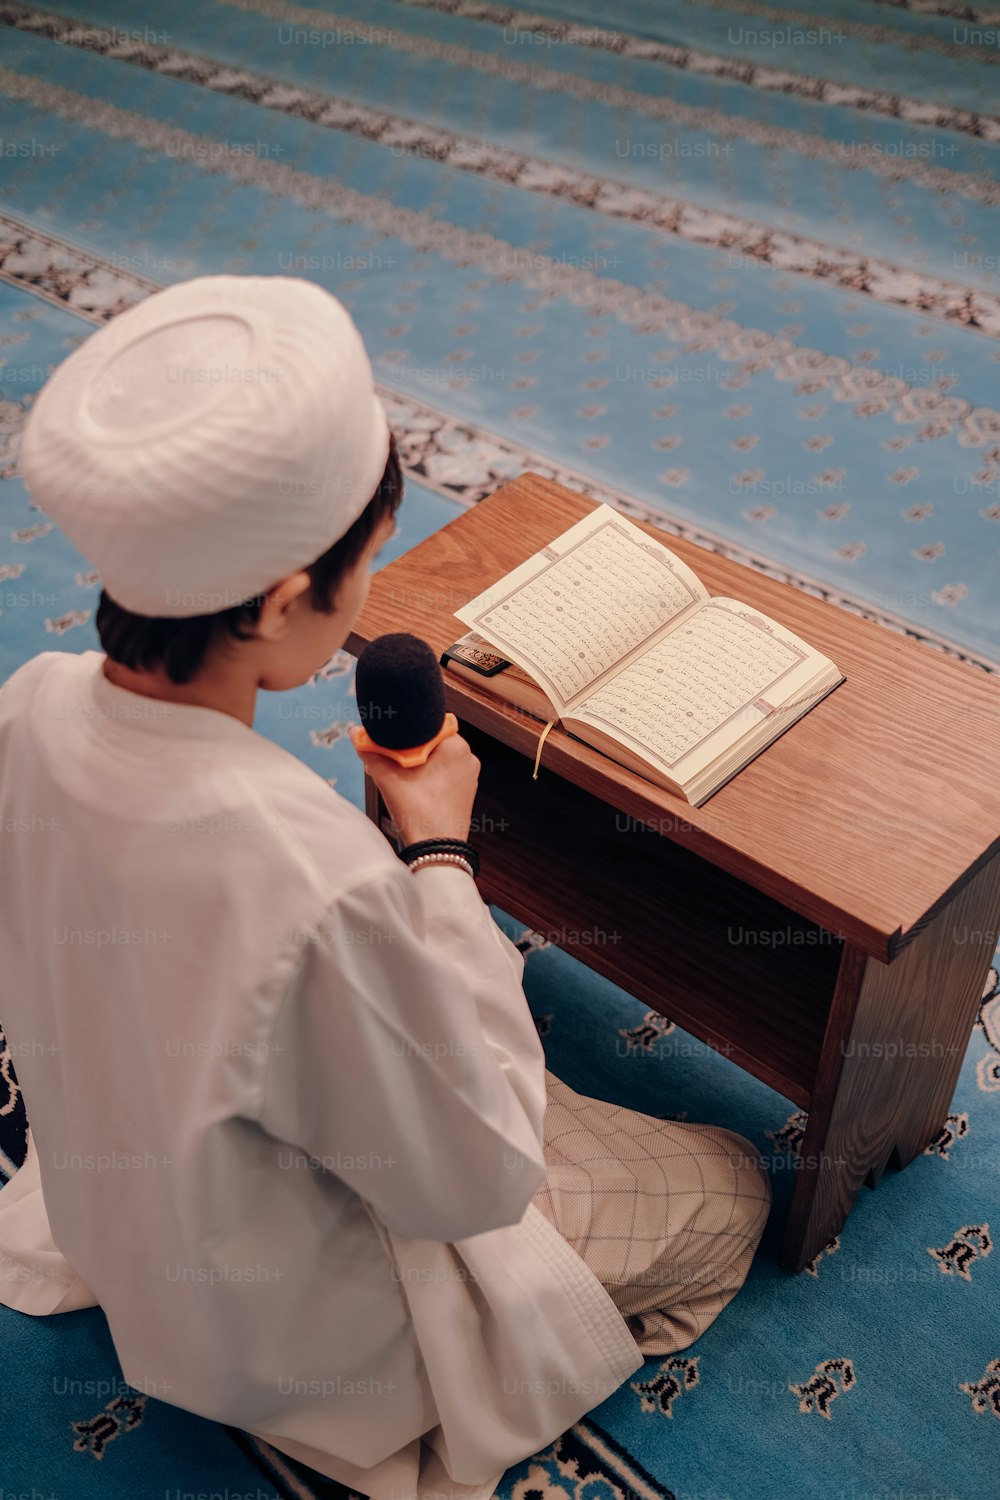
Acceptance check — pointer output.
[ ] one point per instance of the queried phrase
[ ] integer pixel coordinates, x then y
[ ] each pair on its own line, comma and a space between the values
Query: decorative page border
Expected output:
649, 752
553, 559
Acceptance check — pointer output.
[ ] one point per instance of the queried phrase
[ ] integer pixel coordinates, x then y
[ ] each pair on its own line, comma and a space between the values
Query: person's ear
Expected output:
273, 621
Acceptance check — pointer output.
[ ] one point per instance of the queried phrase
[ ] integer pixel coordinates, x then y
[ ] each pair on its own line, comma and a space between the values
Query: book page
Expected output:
702, 687
572, 612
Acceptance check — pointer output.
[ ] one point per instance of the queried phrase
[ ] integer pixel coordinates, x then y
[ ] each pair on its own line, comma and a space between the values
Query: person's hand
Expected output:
432, 801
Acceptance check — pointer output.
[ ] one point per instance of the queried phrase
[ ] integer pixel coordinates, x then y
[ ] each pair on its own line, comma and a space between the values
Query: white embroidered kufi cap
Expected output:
209, 441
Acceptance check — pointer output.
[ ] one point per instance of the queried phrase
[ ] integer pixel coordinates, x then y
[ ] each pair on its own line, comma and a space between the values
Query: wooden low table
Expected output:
826, 920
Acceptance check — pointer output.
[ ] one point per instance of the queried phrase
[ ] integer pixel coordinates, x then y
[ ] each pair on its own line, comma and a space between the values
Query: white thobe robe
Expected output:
286, 1102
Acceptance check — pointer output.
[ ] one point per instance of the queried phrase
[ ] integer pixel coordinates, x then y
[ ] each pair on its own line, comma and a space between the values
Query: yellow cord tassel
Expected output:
538, 753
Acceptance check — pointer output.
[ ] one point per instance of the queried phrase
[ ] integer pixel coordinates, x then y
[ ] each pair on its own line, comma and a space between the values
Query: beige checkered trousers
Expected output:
667, 1215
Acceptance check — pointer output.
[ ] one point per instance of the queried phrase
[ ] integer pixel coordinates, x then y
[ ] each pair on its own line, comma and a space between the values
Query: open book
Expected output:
608, 631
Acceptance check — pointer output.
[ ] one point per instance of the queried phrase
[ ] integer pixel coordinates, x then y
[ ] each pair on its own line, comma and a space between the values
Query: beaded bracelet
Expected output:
442, 842
441, 858
442, 845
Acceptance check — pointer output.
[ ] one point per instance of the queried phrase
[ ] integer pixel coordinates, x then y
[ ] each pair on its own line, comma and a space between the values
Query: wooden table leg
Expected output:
894, 1045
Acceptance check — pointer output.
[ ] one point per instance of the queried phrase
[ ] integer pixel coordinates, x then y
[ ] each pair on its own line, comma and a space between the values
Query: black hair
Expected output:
144, 642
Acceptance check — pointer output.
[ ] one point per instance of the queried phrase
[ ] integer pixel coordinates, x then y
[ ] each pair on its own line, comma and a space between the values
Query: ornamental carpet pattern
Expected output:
731, 267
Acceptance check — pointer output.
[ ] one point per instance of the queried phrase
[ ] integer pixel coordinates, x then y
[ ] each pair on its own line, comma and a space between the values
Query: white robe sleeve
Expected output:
404, 1058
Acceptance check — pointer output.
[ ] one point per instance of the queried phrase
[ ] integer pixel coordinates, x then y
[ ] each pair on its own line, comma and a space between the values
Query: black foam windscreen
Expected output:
400, 691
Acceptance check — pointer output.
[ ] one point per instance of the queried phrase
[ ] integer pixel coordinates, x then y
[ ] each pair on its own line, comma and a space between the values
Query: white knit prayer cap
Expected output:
209, 441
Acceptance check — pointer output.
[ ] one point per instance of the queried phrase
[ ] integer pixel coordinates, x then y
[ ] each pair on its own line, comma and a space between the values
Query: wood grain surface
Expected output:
865, 817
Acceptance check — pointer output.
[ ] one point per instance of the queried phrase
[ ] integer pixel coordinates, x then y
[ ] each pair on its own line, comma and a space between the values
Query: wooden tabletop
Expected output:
866, 816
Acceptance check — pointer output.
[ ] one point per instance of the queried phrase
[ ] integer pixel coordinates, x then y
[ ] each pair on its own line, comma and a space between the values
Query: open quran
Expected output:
610, 633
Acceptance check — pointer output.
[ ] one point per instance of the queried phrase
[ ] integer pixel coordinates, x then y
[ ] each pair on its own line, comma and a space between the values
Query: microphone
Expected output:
400, 693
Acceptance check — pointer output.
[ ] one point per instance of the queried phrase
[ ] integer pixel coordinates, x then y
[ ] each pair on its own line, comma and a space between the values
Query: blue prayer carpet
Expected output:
731, 267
